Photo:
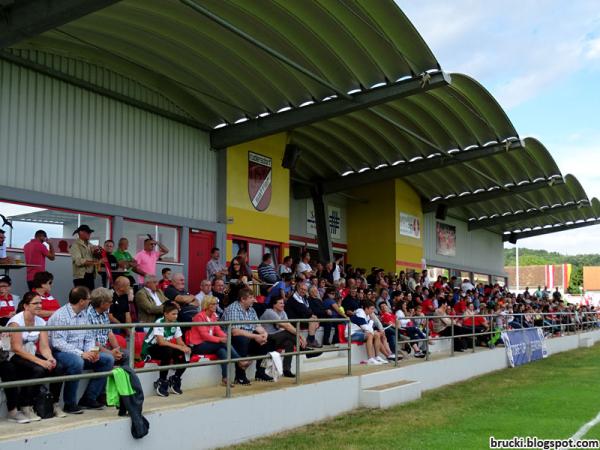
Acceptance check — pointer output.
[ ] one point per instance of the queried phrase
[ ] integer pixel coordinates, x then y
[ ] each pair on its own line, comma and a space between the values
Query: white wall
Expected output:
298, 217
478, 251
59, 139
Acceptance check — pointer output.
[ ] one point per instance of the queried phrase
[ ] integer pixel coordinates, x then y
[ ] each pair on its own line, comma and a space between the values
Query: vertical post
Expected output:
517, 267
396, 346
322, 224
452, 337
229, 378
427, 341
297, 381
349, 340
473, 328
131, 347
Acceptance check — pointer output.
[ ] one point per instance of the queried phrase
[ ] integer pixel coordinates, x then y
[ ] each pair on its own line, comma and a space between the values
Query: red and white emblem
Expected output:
260, 176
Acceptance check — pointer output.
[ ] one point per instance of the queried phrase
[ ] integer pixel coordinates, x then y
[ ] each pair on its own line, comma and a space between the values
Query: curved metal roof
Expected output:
445, 121
225, 61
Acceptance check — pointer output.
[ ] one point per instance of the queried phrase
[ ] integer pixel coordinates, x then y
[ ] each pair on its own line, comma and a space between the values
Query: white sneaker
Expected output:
373, 362
382, 360
30, 414
58, 412
17, 416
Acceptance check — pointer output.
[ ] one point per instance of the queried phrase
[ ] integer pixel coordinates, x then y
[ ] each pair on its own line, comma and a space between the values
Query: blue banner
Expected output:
524, 345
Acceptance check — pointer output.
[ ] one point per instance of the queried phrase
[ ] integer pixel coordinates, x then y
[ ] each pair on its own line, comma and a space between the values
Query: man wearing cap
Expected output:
83, 262
36, 253
146, 258
4, 259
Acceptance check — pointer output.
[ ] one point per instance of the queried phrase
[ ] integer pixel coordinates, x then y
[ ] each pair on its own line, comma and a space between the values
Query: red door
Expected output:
200, 244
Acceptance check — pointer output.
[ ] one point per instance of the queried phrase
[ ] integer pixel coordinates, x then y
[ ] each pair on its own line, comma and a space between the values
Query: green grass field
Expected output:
550, 399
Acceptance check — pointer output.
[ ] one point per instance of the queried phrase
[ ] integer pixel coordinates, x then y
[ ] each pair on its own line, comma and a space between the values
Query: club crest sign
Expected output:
260, 177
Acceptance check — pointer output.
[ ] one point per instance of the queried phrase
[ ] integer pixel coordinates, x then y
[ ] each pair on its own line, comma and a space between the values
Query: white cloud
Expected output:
572, 242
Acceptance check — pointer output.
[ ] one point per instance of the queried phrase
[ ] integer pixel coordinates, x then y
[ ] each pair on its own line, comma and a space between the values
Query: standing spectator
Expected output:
146, 258
166, 345
7, 300
247, 338
266, 271
76, 350
119, 310
42, 285
281, 334
215, 268
83, 262
212, 339
189, 305
165, 281
126, 262
285, 266
242, 257
149, 300
108, 260
4, 258
36, 253
237, 278
297, 307
32, 356
97, 312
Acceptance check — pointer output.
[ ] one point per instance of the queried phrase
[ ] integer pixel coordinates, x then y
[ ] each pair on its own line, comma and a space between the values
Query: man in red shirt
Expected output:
36, 253
7, 302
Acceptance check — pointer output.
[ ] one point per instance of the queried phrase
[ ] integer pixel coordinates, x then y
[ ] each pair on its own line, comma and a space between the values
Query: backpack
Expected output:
43, 404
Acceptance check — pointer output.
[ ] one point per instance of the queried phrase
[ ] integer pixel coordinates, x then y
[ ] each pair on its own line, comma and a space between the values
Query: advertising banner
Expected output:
445, 239
524, 345
410, 226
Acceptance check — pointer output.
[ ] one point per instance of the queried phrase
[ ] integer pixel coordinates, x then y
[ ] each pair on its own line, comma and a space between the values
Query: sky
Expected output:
541, 61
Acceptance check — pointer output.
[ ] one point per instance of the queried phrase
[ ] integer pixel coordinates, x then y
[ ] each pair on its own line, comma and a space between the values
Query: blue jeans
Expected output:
74, 364
215, 348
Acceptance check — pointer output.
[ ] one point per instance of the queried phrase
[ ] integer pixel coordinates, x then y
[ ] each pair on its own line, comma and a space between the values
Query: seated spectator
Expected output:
304, 266
7, 300
218, 291
476, 323
76, 350
405, 324
206, 291
119, 310
361, 330
166, 345
333, 302
149, 300
8, 372
282, 289
297, 307
97, 312
211, 339
165, 281
317, 306
42, 285
446, 326
188, 304
32, 356
266, 271
384, 297
247, 338
281, 334
351, 301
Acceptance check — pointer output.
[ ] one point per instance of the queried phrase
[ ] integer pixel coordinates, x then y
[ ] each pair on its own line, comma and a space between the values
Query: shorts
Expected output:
358, 336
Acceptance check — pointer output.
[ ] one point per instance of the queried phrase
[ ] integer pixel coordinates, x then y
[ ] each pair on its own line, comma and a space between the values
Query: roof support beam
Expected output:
23, 19
298, 117
466, 200
532, 233
513, 218
322, 223
403, 170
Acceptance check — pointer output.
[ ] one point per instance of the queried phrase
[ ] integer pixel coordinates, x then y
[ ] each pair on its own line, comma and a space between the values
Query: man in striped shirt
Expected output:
76, 350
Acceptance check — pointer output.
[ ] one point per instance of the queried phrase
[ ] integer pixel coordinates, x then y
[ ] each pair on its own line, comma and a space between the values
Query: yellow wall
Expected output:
409, 251
273, 223
374, 228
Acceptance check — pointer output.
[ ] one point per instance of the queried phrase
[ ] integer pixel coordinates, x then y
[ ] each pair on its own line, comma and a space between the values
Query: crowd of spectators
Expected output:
379, 306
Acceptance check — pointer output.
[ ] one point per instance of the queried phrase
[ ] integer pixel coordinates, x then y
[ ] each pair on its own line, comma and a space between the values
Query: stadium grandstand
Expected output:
237, 208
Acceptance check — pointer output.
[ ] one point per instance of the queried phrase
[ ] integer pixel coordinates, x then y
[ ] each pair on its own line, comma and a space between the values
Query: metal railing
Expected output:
586, 320
228, 325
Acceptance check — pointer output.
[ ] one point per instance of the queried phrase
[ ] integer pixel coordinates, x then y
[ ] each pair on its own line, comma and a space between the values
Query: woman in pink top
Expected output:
211, 339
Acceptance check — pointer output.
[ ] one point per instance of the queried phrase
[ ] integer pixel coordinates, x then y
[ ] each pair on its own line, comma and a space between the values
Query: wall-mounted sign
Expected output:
410, 226
445, 239
260, 177
335, 220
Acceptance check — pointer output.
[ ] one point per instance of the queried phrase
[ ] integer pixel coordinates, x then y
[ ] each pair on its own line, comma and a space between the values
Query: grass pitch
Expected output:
549, 399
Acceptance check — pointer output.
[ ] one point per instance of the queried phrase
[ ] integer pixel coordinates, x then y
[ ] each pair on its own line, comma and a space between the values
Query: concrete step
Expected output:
391, 394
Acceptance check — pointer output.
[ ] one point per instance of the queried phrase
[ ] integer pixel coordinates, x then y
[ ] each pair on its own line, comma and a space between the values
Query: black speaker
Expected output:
290, 156
441, 211
512, 238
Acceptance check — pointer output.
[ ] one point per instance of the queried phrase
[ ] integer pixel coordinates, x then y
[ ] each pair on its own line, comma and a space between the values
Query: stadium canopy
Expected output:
352, 81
